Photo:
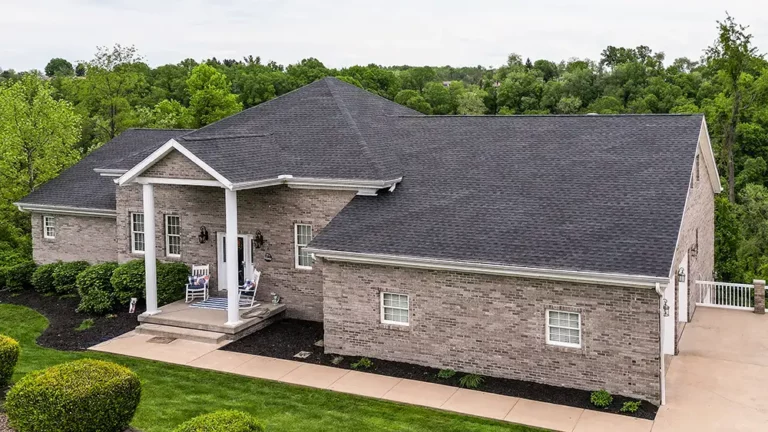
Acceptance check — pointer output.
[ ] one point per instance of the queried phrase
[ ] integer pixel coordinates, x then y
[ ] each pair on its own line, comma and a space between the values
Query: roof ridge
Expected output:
353, 125
432, 116
233, 136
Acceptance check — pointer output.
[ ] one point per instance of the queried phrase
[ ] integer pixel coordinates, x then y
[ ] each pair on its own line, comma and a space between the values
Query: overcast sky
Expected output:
345, 32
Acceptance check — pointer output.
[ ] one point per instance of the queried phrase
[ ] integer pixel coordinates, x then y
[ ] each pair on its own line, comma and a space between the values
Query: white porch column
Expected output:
233, 309
150, 263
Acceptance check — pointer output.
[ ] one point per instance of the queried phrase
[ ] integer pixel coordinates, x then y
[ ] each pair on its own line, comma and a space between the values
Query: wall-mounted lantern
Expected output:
681, 275
666, 308
203, 236
258, 240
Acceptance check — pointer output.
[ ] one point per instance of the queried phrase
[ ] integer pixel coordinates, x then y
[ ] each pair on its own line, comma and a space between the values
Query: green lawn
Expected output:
172, 394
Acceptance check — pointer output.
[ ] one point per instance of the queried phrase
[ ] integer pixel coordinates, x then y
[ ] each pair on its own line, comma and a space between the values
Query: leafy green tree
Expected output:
568, 105
418, 77
307, 71
439, 98
732, 54
37, 137
59, 66
80, 69
727, 240
211, 99
413, 100
471, 103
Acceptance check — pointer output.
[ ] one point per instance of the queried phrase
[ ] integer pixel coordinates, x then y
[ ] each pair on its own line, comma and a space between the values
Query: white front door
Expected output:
669, 320
245, 259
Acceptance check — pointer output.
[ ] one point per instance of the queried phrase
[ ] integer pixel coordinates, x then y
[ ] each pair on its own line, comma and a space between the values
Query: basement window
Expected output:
394, 308
49, 227
564, 328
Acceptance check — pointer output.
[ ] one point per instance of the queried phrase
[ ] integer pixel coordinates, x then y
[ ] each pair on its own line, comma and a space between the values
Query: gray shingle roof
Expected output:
79, 186
588, 193
323, 130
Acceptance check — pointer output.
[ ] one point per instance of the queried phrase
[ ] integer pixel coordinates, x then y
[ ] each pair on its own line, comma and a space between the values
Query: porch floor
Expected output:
180, 314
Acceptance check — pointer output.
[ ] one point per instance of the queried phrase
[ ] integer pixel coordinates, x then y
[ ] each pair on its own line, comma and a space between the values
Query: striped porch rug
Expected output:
212, 303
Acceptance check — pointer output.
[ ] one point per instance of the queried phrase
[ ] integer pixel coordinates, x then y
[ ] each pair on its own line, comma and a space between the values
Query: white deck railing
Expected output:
726, 295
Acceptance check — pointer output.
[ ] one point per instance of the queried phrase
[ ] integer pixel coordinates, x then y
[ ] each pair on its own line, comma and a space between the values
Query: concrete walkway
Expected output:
470, 402
719, 381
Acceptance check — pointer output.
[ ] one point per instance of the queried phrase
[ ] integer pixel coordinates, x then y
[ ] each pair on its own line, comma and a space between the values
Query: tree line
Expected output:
50, 119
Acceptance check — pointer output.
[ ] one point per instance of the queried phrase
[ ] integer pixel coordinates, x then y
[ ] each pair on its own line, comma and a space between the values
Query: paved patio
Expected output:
463, 401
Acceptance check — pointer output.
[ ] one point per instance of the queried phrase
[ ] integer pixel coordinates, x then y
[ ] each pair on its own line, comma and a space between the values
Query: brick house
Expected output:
540, 248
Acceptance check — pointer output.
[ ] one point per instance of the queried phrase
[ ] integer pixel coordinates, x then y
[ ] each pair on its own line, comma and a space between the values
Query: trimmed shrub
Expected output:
471, 381
630, 407
65, 276
601, 398
80, 396
19, 277
9, 355
128, 281
222, 421
42, 278
95, 289
3, 272
171, 279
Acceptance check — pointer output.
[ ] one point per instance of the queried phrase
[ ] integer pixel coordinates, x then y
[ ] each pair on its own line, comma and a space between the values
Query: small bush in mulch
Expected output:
222, 421
95, 289
128, 281
19, 277
171, 279
9, 355
286, 338
63, 320
42, 278
65, 276
84, 395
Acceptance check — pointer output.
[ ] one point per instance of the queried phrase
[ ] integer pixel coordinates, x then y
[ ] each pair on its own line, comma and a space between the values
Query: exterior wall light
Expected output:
681, 275
203, 236
666, 308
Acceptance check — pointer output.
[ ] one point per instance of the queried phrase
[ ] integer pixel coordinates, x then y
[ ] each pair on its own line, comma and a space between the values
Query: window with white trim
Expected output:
173, 235
302, 237
137, 232
394, 308
49, 227
564, 328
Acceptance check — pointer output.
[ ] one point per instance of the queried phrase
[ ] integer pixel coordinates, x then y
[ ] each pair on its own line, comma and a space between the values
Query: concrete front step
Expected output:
181, 333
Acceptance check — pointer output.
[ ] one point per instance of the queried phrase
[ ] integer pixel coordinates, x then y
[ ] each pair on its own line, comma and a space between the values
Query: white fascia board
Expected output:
364, 187
158, 154
110, 172
705, 144
492, 269
64, 210
178, 181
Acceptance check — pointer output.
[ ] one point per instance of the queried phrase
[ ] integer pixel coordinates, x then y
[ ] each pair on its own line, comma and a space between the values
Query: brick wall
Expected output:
77, 238
176, 165
495, 326
699, 215
273, 211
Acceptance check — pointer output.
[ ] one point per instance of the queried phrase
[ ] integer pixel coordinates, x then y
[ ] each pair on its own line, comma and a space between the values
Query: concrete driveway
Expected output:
719, 381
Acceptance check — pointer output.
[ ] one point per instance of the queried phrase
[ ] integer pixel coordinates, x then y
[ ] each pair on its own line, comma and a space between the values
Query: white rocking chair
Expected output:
247, 291
195, 291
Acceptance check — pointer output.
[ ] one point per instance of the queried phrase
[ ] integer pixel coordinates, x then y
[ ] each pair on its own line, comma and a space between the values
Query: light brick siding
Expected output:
176, 165
699, 214
273, 211
77, 238
495, 326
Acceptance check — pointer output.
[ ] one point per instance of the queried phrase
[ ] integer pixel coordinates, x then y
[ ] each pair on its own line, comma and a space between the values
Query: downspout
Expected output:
662, 368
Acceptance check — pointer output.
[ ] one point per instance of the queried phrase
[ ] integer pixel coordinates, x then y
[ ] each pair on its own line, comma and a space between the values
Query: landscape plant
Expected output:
171, 280
128, 281
80, 396
471, 381
222, 421
95, 288
42, 278
363, 363
601, 398
630, 406
9, 355
65, 276
446, 373
19, 277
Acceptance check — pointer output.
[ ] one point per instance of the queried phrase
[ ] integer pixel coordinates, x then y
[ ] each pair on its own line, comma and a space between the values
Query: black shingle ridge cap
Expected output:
353, 125
487, 116
233, 136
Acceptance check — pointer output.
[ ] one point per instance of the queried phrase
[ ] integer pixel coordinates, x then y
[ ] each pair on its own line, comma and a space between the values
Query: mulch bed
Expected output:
285, 338
63, 318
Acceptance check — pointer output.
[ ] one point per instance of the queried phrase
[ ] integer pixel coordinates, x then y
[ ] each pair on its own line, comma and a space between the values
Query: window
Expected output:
172, 235
49, 227
394, 308
564, 328
137, 232
303, 235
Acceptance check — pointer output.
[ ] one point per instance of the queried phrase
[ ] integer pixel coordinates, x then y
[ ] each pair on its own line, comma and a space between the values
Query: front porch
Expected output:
179, 320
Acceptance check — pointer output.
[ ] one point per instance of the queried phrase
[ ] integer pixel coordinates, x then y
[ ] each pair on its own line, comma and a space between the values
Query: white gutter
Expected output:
617, 279
65, 210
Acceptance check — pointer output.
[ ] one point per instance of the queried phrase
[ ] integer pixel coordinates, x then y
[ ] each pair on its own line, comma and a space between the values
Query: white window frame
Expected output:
558, 343
168, 236
297, 245
407, 309
134, 232
49, 222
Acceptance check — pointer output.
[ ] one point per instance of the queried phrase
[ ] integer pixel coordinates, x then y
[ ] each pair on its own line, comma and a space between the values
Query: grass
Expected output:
172, 394
86, 324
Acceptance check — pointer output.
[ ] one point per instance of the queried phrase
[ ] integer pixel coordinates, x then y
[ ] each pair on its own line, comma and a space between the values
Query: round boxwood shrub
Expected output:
222, 421
19, 276
128, 281
80, 396
42, 278
9, 355
65, 276
95, 289
171, 279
